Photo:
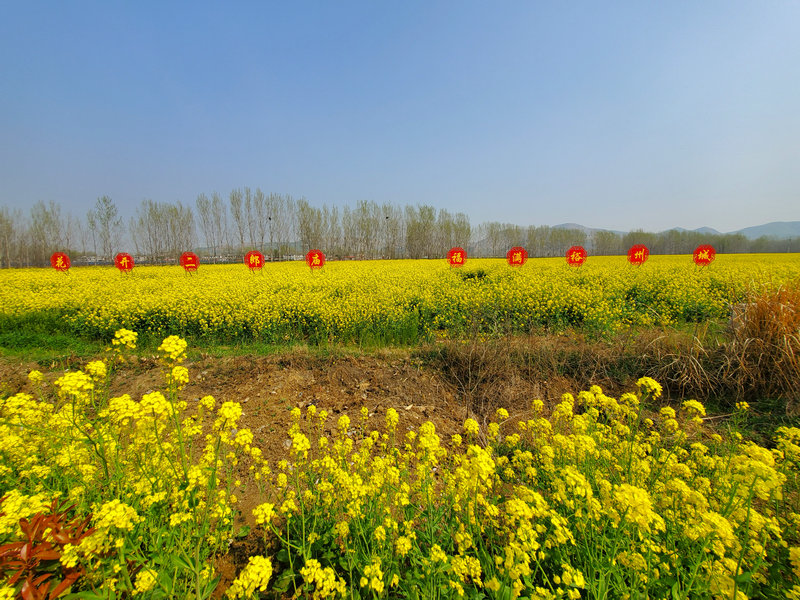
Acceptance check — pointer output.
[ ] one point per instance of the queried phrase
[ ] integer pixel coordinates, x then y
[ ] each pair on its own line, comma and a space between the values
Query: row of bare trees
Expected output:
222, 229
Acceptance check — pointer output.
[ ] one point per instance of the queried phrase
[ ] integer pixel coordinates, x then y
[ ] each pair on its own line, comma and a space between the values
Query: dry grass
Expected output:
758, 356
764, 348
755, 357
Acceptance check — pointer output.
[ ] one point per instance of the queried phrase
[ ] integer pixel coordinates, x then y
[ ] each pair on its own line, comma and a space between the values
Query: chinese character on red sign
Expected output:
576, 256
189, 261
704, 254
638, 254
60, 262
315, 259
457, 257
124, 262
254, 259
517, 256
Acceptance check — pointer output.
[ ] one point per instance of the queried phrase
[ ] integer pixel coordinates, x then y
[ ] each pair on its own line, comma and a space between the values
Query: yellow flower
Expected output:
180, 375
379, 534
254, 577
7, 593
402, 545
76, 383
173, 348
97, 370
392, 419
116, 514
125, 337
343, 424
373, 576
437, 554
324, 581
649, 386
145, 581
264, 513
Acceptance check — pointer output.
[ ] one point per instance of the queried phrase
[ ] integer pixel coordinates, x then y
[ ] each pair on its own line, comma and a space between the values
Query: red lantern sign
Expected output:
189, 262
124, 262
60, 262
638, 254
704, 255
254, 260
457, 257
315, 259
517, 256
576, 256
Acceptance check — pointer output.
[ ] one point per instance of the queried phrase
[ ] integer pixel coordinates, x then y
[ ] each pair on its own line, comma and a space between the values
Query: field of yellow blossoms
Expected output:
598, 497
384, 301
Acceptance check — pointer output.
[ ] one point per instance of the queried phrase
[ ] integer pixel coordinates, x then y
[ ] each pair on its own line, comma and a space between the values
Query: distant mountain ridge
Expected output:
776, 229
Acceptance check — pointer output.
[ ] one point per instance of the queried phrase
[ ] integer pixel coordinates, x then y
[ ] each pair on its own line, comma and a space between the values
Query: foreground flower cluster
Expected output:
386, 301
593, 500
599, 497
154, 474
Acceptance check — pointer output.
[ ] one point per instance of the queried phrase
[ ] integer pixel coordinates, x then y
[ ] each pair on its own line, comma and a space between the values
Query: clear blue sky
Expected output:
610, 114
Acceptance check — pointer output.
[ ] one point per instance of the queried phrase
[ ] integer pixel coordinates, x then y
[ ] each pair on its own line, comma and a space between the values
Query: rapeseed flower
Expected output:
253, 578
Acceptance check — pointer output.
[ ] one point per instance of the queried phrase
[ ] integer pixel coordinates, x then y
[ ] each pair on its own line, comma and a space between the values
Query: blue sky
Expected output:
620, 115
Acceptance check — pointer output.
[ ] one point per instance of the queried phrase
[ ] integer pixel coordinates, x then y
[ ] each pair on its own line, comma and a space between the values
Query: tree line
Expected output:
223, 229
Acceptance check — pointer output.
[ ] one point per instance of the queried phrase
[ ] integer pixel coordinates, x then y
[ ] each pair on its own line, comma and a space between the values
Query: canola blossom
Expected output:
593, 501
385, 301
594, 497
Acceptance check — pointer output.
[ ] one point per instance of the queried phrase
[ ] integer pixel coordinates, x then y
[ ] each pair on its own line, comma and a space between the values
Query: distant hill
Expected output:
587, 230
707, 230
778, 229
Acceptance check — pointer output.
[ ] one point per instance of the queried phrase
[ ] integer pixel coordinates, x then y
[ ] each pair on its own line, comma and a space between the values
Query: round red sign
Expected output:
124, 262
704, 255
315, 259
189, 261
517, 256
576, 256
638, 254
457, 257
254, 259
60, 262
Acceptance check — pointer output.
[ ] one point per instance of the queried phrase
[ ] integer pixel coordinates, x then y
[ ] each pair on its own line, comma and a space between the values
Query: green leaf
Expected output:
505, 592
283, 581
181, 561
676, 592
343, 563
243, 531
742, 578
282, 556
475, 594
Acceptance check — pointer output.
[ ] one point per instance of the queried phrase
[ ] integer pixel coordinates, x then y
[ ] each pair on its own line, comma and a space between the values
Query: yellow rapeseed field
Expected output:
389, 301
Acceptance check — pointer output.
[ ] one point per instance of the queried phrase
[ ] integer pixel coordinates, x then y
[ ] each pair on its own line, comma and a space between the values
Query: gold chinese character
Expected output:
124, 262
315, 259
703, 255
639, 254
457, 257
576, 256
254, 260
59, 262
517, 257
